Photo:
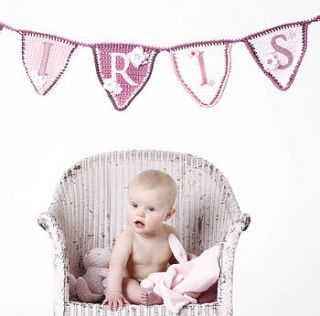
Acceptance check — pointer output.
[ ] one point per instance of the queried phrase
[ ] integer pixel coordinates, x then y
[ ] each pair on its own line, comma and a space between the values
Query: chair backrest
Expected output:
92, 197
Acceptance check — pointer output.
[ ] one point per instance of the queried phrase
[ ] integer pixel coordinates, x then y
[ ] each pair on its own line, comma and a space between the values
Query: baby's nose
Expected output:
140, 212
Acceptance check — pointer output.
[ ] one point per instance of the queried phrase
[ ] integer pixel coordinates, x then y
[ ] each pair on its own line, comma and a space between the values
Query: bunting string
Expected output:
203, 68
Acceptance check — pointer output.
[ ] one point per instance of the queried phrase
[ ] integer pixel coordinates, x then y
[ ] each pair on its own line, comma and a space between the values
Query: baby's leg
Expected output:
132, 290
138, 295
210, 295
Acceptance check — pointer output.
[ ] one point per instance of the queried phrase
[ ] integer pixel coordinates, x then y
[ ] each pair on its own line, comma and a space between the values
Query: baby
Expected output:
143, 247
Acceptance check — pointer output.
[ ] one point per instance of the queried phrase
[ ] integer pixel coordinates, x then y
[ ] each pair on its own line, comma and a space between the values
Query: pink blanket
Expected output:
182, 283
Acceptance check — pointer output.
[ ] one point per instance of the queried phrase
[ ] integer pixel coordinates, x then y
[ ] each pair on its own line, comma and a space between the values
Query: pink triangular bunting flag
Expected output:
123, 70
279, 52
203, 69
45, 58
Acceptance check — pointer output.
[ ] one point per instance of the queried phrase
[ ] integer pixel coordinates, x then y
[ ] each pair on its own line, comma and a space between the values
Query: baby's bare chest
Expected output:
151, 253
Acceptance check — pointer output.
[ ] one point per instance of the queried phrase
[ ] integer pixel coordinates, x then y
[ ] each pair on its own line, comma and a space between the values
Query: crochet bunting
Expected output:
203, 70
279, 52
45, 58
203, 67
123, 70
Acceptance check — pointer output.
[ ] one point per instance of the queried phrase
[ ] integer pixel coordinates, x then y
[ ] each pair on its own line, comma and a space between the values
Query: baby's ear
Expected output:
170, 213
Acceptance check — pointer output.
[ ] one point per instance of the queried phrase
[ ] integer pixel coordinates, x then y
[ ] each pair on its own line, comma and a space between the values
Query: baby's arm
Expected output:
119, 257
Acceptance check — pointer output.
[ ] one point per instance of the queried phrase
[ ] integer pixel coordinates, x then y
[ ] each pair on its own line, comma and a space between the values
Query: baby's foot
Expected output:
150, 298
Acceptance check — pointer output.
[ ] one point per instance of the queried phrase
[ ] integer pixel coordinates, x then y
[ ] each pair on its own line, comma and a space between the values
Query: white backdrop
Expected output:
265, 141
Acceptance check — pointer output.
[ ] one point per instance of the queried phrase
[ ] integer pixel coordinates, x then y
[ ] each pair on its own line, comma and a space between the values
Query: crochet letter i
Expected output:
203, 69
45, 59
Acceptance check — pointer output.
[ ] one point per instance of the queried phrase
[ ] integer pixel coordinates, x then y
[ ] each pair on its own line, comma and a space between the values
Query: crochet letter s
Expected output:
282, 50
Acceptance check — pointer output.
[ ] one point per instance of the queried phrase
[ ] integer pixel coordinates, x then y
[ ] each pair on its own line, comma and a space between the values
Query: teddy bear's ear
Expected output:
87, 256
85, 261
177, 248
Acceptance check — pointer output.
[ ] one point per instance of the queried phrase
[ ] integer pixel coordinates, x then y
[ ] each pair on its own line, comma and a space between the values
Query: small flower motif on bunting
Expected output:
194, 53
291, 35
271, 62
112, 85
38, 81
211, 83
138, 57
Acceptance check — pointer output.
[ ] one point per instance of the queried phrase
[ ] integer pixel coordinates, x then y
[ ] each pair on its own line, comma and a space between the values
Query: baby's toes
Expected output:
144, 297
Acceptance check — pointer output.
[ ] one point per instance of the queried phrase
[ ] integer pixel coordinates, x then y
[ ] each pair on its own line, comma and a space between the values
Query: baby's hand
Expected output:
191, 256
115, 300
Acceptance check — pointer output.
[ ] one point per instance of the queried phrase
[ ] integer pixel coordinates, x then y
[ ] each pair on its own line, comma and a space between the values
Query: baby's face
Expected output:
147, 208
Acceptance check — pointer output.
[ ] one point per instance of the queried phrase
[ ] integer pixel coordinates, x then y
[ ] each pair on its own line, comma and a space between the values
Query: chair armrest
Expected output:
60, 260
246, 220
228, 247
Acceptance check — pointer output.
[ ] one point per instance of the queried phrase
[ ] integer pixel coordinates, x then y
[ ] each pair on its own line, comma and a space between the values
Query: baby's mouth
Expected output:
139, 224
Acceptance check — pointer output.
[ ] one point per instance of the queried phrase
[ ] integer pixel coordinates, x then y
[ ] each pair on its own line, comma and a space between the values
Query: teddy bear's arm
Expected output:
103, 273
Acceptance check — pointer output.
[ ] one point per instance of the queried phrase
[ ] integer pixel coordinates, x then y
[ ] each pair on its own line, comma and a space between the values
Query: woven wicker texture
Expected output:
88, 210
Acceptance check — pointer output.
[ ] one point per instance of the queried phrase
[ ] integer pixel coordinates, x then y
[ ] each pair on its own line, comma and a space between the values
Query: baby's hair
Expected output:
155, 178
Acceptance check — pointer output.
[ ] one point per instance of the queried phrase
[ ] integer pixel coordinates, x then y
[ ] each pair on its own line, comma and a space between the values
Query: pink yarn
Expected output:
279, 52
45, 59
107, 54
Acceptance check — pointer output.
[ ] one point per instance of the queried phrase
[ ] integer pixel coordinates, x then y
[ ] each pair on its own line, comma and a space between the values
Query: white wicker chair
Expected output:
88, 211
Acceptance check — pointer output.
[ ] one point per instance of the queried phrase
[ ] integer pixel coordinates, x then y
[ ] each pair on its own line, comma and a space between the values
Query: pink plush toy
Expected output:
91, 287
187, 281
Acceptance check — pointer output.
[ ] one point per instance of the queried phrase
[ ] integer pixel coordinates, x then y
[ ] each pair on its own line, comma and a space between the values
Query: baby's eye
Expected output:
134, 205
151, 209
